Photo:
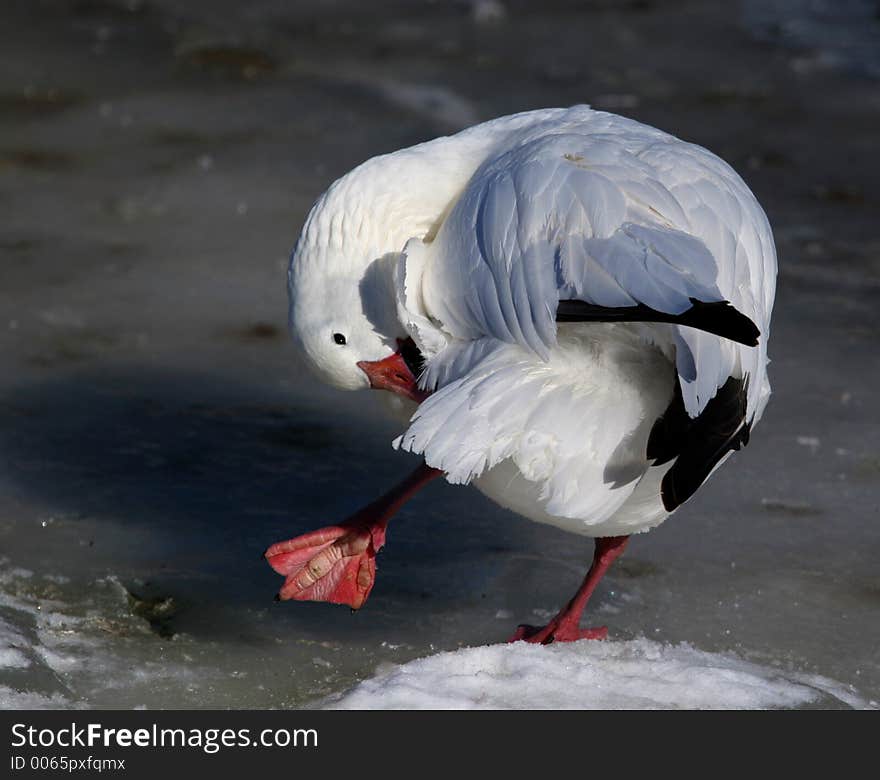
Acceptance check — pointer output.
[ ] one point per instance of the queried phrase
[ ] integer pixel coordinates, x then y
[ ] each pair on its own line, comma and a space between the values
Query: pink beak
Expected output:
392, 373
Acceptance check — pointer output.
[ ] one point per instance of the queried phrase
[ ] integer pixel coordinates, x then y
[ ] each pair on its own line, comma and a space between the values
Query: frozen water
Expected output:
12, 699
639, 674
67, 647
827, 33
156, 433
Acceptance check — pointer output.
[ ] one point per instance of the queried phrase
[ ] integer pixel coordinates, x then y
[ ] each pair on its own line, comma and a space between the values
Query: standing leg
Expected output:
564, 627
338, 563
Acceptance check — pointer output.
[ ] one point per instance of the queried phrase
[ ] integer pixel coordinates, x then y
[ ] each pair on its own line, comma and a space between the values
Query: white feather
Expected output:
492, 227
600, 208
576, 425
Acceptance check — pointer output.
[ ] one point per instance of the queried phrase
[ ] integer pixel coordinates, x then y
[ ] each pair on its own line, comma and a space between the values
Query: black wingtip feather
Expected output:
718, 317
722, 319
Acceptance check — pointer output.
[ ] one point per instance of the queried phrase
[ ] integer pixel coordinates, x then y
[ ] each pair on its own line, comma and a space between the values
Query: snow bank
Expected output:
639, 674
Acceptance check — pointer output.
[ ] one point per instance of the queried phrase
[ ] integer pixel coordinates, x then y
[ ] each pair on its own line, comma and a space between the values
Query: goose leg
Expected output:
337, 564
565, 626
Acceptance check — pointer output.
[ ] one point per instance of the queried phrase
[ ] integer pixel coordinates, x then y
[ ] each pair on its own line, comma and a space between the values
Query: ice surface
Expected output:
828, 34
11, 657
11, 699
156, 433
638, 674
73, 646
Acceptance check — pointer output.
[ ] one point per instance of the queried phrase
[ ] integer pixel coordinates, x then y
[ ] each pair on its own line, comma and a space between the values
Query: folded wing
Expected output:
614, 226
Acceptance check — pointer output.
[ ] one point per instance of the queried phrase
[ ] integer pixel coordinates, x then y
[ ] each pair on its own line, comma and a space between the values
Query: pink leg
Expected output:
564, 627
338, 563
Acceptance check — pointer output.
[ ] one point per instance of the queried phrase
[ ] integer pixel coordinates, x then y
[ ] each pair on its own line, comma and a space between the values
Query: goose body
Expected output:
586, 301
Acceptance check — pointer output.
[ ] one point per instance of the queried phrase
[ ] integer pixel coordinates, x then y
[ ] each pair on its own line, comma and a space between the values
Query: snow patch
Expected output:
11, 642
637, 674
86, 645
11, 699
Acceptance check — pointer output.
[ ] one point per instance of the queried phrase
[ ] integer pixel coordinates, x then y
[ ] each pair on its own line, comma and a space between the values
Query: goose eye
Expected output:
339, 339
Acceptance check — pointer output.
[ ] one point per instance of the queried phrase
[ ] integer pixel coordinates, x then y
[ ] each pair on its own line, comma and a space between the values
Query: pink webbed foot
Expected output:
556, 631
336, 564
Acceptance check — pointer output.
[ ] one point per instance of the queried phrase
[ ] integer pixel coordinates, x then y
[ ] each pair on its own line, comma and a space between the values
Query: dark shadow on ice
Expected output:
176, 483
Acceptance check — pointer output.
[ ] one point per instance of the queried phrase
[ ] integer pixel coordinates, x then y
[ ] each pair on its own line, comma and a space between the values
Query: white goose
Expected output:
579, 303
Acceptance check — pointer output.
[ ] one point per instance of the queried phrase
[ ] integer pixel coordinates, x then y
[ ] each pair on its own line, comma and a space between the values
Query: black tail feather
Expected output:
698, 444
